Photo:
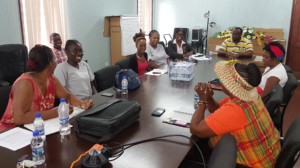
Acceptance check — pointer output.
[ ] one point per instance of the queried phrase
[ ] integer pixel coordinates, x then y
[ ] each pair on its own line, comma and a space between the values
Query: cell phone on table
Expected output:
158, 112
106, 94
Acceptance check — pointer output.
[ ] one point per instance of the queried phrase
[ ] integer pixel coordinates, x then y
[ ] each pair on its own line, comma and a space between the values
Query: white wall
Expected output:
10, 26
226, 13
86, 24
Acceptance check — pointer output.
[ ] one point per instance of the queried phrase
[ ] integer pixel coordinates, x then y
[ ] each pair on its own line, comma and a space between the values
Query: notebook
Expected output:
181, 117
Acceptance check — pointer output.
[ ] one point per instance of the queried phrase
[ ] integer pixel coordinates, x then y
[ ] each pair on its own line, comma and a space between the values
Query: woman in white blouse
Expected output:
157, 55
275, 72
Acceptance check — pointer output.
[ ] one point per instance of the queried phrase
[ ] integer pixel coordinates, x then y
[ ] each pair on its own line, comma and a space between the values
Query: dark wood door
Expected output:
293, 53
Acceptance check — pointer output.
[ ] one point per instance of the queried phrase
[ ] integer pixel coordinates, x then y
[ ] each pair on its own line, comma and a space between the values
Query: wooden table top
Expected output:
155, 91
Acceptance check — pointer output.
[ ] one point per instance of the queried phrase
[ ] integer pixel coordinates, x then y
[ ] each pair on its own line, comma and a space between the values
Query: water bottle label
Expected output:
64, 121
37, 151
41, 131
196, 100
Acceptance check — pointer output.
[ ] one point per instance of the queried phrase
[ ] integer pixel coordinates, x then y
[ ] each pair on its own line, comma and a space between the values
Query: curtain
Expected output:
40, 18
145, 14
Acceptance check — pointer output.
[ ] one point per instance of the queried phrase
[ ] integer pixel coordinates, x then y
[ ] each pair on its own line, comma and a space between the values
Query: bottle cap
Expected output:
124, 77
37, 115
35, 133
62, 100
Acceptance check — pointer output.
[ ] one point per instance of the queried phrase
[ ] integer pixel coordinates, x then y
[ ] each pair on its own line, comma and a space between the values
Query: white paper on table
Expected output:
52, 125
15, 138
157, 72
183, 114
258, 58
199, 58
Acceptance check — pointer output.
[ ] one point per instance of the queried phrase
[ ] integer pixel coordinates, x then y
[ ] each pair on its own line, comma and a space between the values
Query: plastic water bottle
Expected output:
39, 125
63, 113
196, 100
210, 55
124, 84
37, 147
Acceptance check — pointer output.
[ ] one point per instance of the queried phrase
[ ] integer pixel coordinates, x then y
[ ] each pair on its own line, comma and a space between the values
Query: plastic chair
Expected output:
4, 96
288, 91
272, 102
105, 77
290, 149
224, 154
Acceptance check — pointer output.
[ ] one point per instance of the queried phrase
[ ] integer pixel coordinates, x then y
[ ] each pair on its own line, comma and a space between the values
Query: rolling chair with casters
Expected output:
272, 102
224, 154
290, 149
105, 77
123, 64
4, 96
288, 91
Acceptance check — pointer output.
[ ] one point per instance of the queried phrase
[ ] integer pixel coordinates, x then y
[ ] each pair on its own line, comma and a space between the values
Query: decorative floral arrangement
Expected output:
248, 33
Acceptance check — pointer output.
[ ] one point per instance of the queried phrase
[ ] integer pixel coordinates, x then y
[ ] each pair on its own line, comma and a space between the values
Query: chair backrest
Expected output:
287, 68
105, 77
13, 59
289, 88
272, 102
4, 95
290, 149
123, 64
185, 33
224, 154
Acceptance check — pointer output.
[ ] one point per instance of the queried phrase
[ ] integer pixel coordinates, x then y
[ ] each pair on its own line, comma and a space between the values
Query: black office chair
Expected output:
290, 150
272, 102
185, 33
105, 77
288, 91
13, 59
287, 68
224, 154
4, 96
123, 64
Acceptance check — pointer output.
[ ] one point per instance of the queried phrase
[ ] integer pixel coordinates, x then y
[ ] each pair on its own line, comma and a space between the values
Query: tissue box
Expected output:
182, 71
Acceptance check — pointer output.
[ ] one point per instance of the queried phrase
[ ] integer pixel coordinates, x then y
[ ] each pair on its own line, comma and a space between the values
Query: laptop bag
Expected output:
103, 122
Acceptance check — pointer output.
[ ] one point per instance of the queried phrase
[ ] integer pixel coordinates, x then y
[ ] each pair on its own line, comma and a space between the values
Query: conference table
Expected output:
155, 91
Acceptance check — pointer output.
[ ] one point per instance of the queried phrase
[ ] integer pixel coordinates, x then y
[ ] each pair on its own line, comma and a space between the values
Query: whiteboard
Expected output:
130, 25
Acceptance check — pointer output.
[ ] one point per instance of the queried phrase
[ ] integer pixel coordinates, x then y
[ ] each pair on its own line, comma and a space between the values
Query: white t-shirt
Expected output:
77, 81
158, 54
278, 71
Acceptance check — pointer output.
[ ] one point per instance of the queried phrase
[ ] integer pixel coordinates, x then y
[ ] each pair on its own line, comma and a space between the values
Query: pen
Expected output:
156, 72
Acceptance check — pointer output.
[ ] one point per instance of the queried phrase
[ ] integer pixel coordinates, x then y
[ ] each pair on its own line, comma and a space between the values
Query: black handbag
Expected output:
103, 122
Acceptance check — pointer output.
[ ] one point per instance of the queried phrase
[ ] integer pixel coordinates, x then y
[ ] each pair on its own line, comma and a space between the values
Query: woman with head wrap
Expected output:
275, 72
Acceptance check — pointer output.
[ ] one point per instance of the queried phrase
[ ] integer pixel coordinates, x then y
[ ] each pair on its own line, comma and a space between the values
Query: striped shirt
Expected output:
60, 56
243, 45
